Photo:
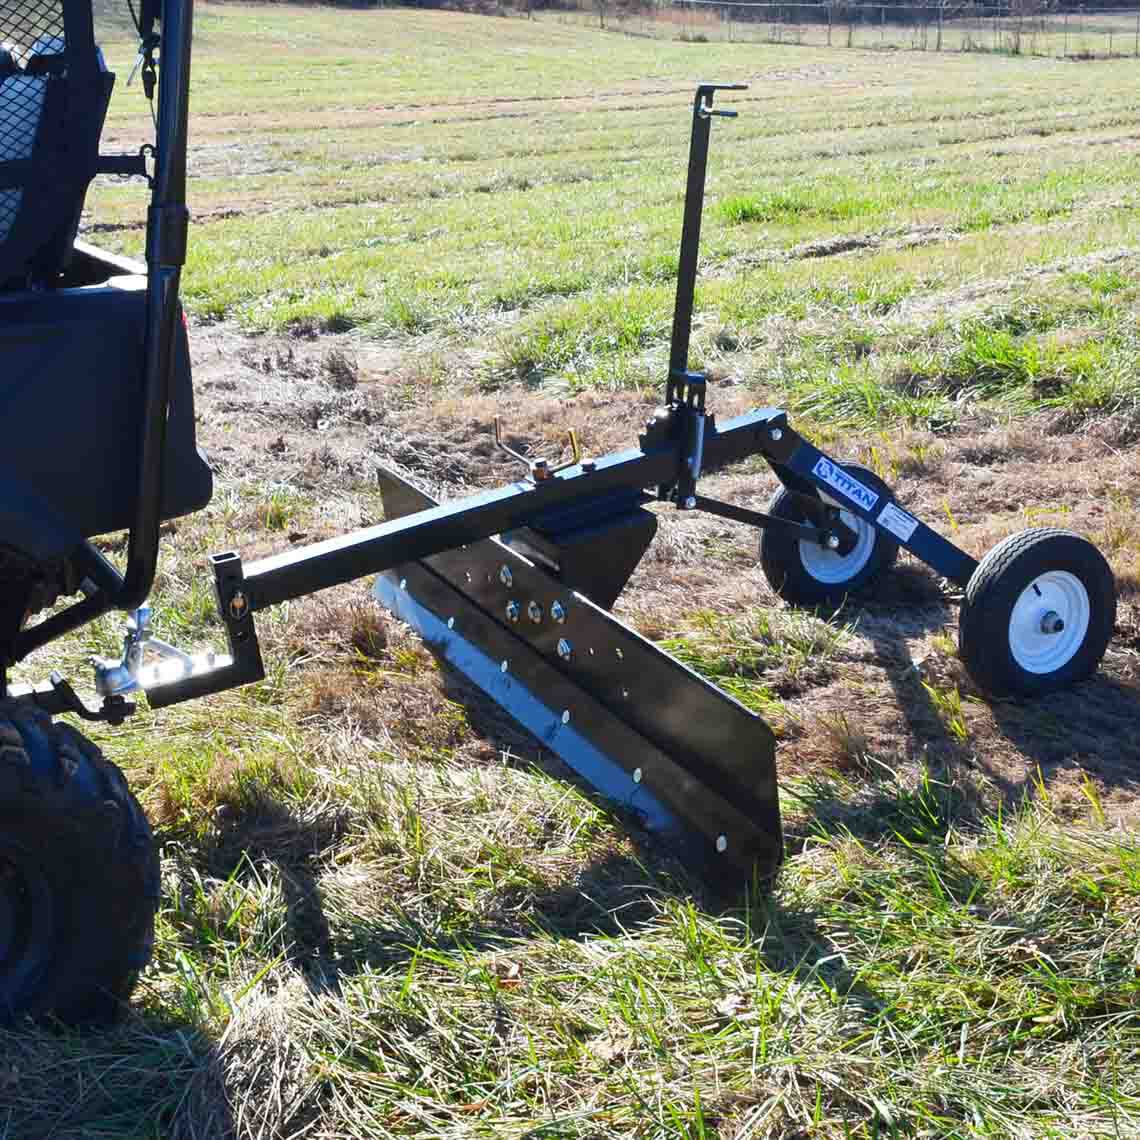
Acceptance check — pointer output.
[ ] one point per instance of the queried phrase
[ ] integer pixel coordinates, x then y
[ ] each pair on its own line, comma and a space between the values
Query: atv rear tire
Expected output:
79, 875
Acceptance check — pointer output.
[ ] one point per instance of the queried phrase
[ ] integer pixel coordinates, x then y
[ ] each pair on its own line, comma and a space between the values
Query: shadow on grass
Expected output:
144, 1077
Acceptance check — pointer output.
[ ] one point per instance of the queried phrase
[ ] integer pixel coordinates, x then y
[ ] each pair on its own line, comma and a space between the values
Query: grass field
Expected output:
386, 911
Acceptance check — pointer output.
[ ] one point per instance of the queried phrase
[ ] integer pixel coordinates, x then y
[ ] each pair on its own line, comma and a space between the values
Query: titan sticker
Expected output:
835, 477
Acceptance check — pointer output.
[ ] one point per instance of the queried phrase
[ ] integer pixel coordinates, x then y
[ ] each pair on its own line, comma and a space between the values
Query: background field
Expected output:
386, 911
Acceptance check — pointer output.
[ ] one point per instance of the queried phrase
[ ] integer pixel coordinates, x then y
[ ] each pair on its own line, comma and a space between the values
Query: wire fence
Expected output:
1080, 34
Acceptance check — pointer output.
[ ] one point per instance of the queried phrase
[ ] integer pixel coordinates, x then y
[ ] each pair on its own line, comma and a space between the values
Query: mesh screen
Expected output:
31, 48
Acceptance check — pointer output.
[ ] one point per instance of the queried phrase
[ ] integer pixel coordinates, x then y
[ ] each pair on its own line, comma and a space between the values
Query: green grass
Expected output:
383, 913
467, 198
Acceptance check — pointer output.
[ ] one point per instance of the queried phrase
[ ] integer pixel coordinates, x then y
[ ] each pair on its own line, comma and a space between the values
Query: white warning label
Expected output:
898, 522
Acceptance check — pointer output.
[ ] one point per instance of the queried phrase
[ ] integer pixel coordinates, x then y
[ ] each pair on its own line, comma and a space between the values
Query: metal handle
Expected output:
540, 469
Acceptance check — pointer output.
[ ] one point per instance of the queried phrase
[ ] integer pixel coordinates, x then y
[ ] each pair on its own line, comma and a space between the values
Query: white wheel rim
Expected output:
832, 568
1036, 643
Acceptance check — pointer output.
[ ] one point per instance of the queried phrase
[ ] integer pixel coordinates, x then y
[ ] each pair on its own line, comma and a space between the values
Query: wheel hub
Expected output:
1049, 622
823, 561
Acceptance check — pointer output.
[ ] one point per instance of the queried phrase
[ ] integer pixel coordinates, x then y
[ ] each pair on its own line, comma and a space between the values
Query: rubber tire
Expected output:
780, 551
995, 586
82, 872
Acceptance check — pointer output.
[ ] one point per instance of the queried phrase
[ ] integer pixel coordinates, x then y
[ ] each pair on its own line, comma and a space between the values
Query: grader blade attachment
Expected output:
637, 725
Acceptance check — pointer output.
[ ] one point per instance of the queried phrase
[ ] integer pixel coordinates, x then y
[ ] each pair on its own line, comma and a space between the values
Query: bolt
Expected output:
558, 612
239, 605
775, 435
565, 716
451, 623
833, 542
503, 667
534, 612
505, 575
589, 465
403, 583
690, 502
564, 649
1052, 622
637, 775
540, 470
513, 611
722, 843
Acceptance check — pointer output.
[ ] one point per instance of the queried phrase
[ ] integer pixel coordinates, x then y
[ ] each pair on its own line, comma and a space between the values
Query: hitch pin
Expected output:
539, 469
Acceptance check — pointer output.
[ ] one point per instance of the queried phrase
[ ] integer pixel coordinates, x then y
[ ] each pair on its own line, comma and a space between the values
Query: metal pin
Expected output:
534, 612
564, 649
505, 575
558, 612
513, 611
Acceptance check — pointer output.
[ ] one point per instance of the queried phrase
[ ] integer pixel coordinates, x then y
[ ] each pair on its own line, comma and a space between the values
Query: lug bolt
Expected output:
513, 611
564, 649
505, 575
534, 612
1052, 622
558, 612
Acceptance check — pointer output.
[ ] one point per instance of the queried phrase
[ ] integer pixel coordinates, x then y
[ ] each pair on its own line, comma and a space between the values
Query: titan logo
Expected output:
848, 487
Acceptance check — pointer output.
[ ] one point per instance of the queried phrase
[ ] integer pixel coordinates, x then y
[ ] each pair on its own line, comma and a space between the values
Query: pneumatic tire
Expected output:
804, 573
79, 875
1038, 613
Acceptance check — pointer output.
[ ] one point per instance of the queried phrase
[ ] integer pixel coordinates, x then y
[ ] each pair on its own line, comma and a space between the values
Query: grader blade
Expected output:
637, 725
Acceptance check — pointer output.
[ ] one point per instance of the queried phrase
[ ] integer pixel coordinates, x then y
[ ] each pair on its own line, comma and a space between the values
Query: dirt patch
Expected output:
320, 414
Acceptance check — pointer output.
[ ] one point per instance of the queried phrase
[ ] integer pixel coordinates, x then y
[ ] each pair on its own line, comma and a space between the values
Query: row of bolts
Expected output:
558, 613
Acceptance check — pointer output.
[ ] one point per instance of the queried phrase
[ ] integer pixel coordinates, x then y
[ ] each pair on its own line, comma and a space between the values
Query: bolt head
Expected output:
514, 610
775, 435
504, 666
505, 575
239, 606
534, 612
722, 844
565, 716
690, 502
637, 775
558, 612
564, 649
833, 542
